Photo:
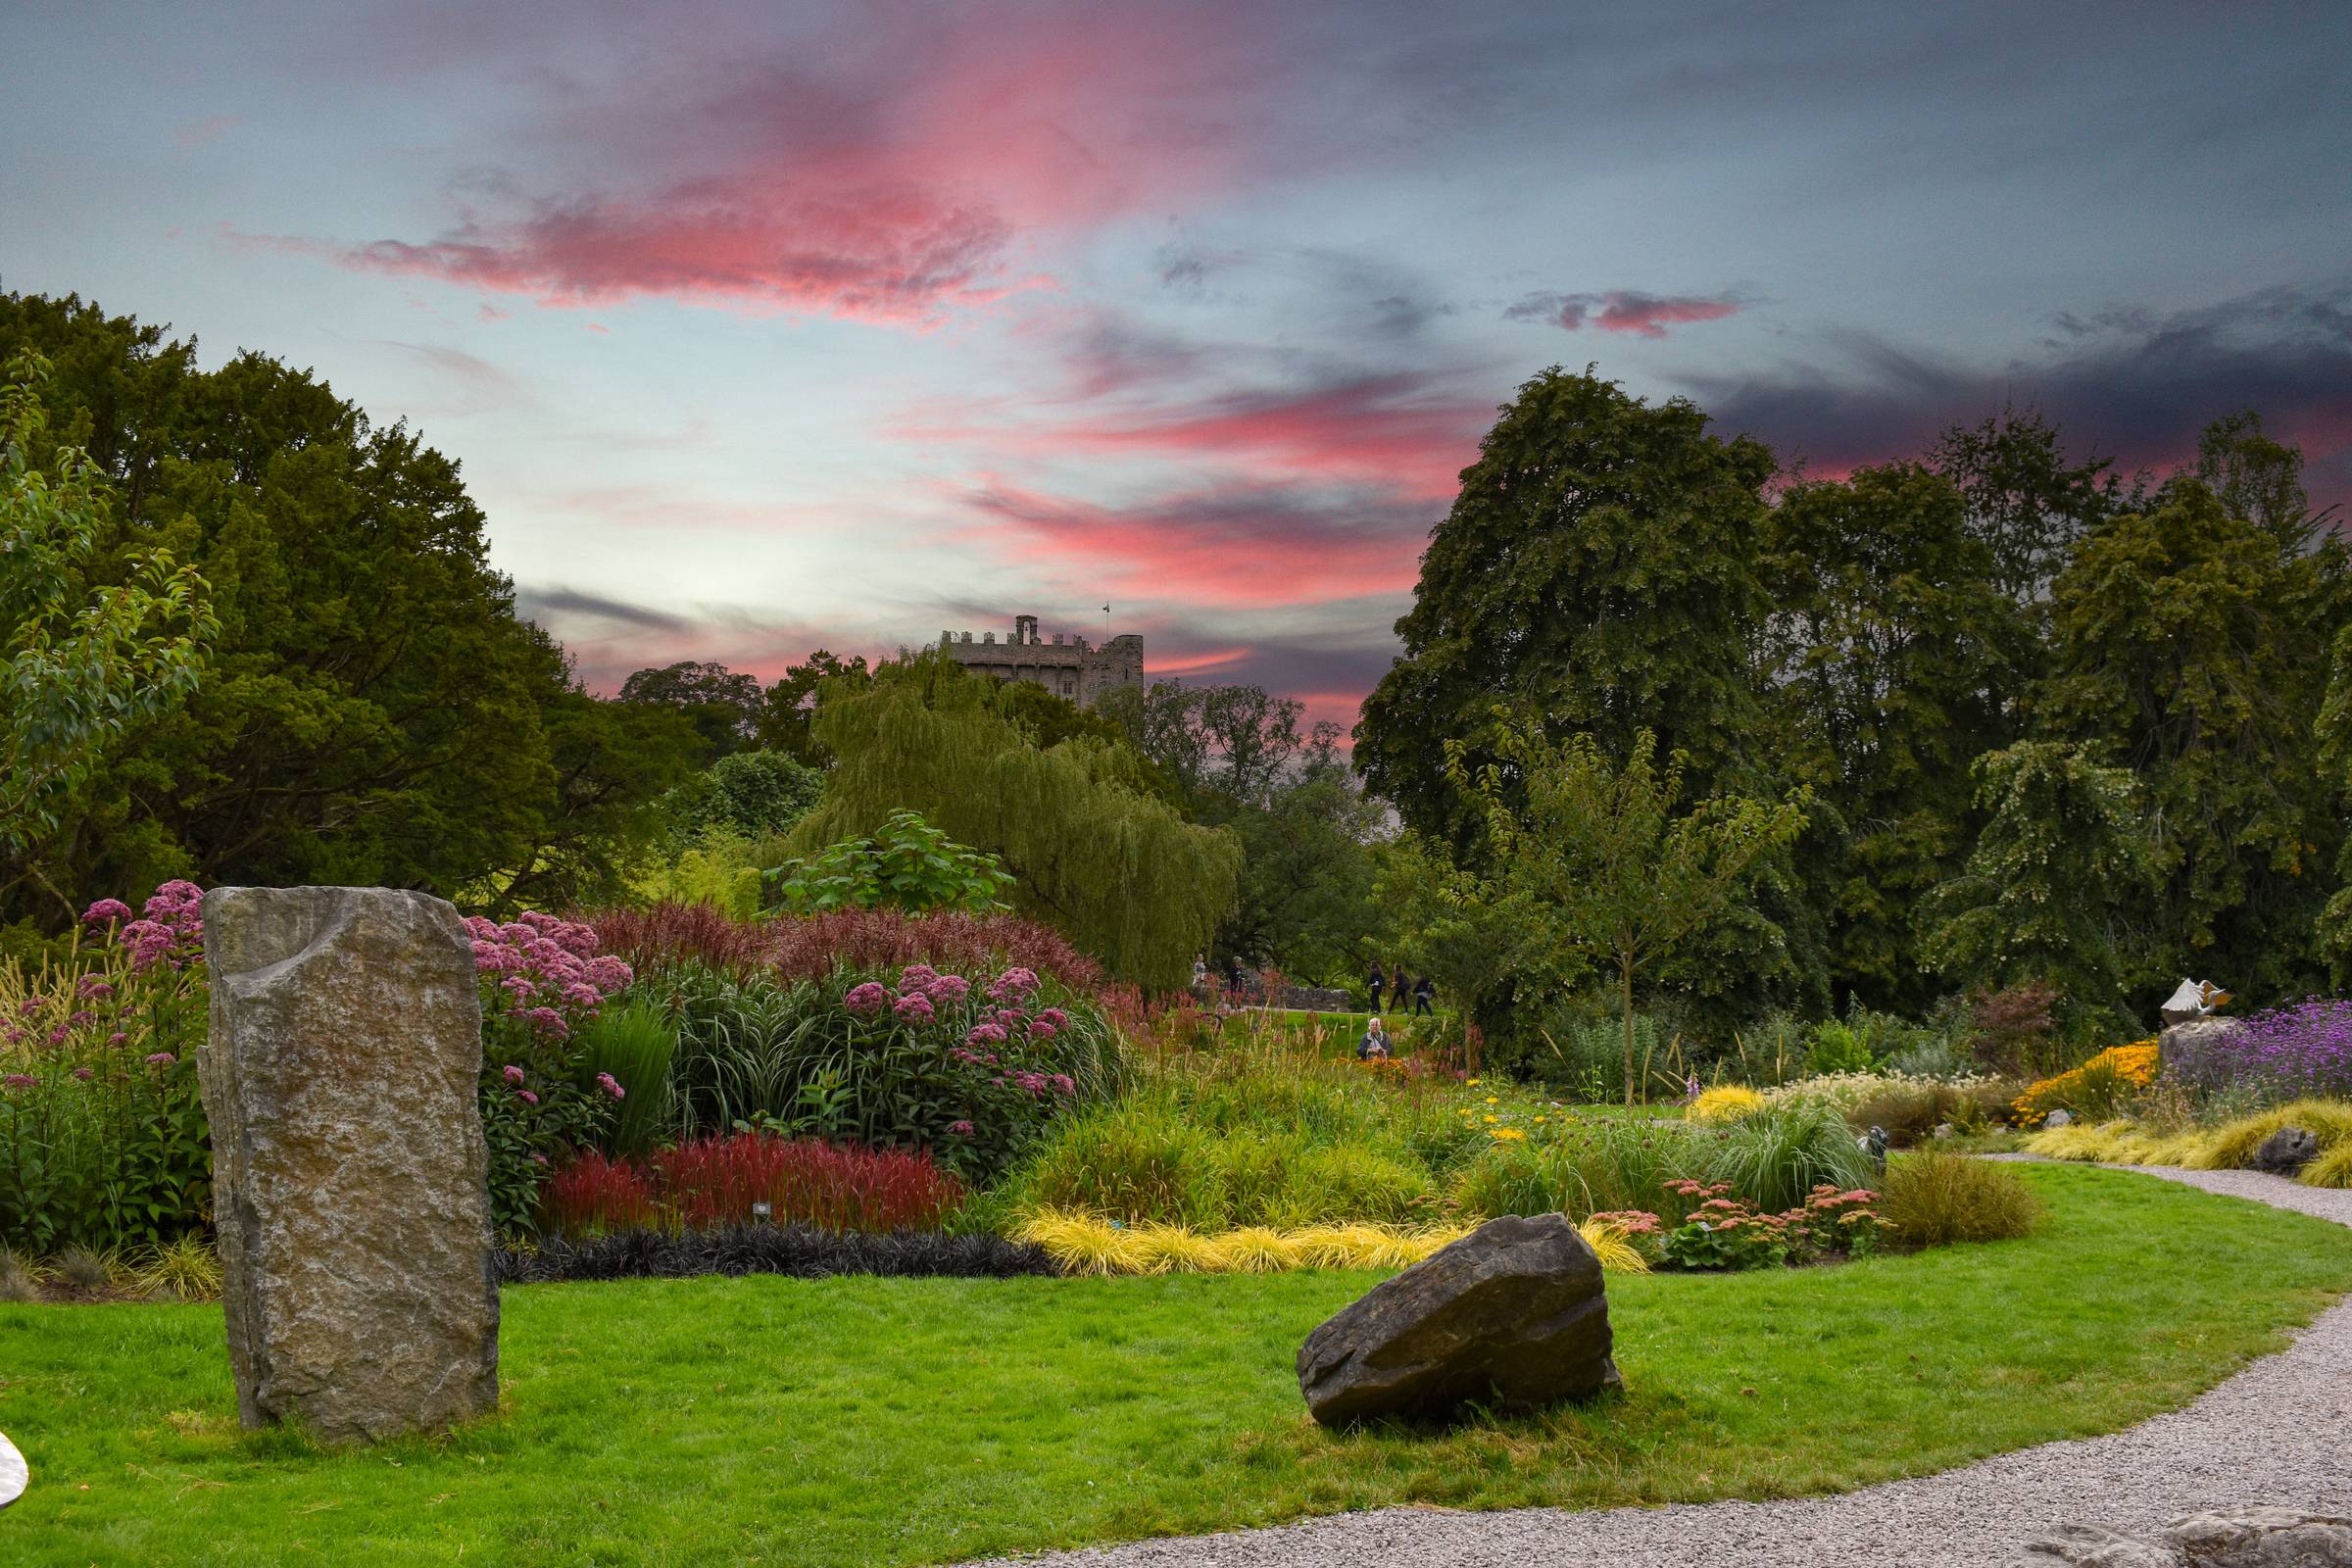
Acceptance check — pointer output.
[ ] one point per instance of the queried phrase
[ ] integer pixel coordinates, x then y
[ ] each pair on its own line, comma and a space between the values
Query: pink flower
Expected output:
92, 986
986, 1034
514, 1075
548, 1021
1042, 1030
914, 1007
609, 974
916, 976
604, 1081
960, 1129
1063, 1084
539, 922
106, 912
161, 1059
60, 1035
869, 998
1011, 1017
12, 1035
1013, 985
1055, 1016
947, 990
84, 1074
538, 1159
526, 1096
80, 1016
518, 987
175, 898
580, 994
117, 1037
16, 1080
29, 1006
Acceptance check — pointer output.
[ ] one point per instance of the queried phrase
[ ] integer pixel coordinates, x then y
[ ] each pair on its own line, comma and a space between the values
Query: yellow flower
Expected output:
1490, 1119
1507, 1135
1539, 1121
1490, 1100
1473, 1084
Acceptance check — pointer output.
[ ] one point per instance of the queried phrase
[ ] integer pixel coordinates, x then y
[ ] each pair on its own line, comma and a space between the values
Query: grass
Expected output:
861, 1421
2228, 1147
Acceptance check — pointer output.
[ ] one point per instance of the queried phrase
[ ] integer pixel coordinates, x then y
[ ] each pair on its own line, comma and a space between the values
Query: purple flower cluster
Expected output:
546, 970
170, 928
2284, 1052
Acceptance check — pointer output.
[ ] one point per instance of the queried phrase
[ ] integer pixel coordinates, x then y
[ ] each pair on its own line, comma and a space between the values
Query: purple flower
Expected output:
513, 1076
16, 1080
947, 990
161, 1059
986, 1034
526, 1096
106, 912
1055, 1016
960, 1129
117, 1037
60, 1035
1063, 1084
609, 974
174, 898
580, 994
1042, 1030
84, 1074
92, 986
12, 1035
80, 1016
548, 1021
866, 999
1013, 985
916, 976
914, 1007
1011, 1017
538, 1159
605, 1082
29, 1006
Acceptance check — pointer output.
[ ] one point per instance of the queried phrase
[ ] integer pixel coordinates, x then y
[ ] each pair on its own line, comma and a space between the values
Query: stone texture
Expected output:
1513, 1316
2225, 1537
2186, 1048
2286, 1150
348, 1162
2059, 1118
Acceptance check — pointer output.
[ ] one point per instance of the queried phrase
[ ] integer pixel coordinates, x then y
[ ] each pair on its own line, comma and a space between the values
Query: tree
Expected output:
1599, 567
81, 662
1094, 852
1589, 859
2044, 892
2189, 645
1888, 656
908, 864
374, 711
2258, 479
2025, 500
748, 794
788, 708
726, 706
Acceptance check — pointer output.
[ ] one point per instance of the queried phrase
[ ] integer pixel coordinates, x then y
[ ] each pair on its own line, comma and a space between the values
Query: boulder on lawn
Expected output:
2059, 1118
2287, 1151
1513, 1316
340, 1075
2224, 1538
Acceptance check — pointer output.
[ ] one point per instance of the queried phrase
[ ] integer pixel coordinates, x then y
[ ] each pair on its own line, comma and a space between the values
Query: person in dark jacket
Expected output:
1374, 982
1423, 991
1374, 1046
1396, 995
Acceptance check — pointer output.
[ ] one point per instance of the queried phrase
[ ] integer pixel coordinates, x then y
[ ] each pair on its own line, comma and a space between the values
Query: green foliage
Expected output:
1600, 568
721, 870
2043, 894
1091, 850
633, 1041
788, 709
1888, 655
1834, 1048
1590, 1166
76, 665
1934, 1199
724, 706
2190, 645
1776, 1157
908, 864
1595, 867
745, 792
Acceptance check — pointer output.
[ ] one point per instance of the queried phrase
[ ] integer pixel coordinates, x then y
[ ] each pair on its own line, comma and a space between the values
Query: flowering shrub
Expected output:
540, 978
716, 1182
1723, 1232
2092, 1090
1724, 1103
2282, 1054
102, 1133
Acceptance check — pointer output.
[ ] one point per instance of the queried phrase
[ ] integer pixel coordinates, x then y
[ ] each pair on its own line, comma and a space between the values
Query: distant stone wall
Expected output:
1067, 666
1314, 999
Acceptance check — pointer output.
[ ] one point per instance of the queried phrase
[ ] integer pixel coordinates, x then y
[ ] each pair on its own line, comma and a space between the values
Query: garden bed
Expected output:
880, 1421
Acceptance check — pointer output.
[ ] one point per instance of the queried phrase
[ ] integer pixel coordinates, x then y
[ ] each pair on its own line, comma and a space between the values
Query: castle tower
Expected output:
1068, 666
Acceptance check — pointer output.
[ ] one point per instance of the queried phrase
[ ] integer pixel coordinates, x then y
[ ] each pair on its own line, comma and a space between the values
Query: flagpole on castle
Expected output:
1106, 625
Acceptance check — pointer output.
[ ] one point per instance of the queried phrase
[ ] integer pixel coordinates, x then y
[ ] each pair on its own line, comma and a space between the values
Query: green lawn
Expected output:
871, 1421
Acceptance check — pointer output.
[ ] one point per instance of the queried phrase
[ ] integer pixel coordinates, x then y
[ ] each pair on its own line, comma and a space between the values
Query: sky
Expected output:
761, 328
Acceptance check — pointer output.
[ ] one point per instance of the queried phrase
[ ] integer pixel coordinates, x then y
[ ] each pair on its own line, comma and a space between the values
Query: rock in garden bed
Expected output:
2287, 1150
1513, 1316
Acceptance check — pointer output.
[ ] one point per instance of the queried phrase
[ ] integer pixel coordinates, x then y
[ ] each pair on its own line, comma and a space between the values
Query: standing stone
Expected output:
1513, 1315
348, 1171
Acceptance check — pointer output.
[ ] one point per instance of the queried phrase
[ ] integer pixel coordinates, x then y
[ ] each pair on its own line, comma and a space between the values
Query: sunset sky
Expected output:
765, 327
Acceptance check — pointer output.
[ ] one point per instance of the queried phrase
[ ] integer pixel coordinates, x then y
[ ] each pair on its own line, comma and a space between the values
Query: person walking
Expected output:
1373, 982
1396, 997
1423, 991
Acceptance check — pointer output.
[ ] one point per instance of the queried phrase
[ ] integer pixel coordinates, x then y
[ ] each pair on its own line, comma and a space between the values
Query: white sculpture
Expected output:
2196, 999
14, 1476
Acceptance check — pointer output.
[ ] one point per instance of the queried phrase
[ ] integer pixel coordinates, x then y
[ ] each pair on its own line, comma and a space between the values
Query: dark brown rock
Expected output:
1513, 1316
349, 1169
2286, 1150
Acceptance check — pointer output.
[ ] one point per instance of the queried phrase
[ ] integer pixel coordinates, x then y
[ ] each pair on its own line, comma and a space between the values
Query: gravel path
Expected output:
2229, 1448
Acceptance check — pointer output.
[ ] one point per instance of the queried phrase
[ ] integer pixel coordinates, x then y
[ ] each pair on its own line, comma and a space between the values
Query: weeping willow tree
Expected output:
1117, 869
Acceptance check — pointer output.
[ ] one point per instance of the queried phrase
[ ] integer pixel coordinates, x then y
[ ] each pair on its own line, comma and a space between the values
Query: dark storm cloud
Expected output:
537, 604
2133, 384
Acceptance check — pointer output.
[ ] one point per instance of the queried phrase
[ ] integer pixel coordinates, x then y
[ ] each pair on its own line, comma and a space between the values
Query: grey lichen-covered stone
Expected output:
2225, 1537
2059, 1118
1513, 1316
2286, 1150
348, 1163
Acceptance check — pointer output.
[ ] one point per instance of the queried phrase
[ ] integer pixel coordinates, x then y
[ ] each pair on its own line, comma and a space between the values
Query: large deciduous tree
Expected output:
1599, 567
726, 705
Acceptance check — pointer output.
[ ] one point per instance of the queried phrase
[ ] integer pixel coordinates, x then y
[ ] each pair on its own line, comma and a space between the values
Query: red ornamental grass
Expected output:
716, 1181
596, 1194
810, 946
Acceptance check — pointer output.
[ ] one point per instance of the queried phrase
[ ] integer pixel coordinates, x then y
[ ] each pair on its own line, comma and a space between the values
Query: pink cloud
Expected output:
1624, 310
903, 185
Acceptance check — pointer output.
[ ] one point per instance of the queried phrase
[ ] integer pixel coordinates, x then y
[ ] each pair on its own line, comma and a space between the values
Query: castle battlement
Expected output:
1068, 666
